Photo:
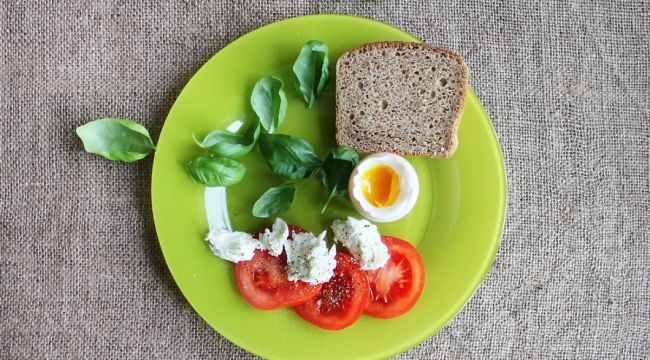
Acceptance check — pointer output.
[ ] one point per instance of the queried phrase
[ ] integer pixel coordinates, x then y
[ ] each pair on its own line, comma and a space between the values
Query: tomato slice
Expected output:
397, 286
264, 283
341, 300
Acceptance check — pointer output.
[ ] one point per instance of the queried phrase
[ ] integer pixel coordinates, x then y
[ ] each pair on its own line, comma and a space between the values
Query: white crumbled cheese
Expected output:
273, 240
308, 258
363, 241
232, 246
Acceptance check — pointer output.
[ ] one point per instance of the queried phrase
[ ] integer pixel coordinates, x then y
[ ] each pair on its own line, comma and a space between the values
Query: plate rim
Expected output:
501, 173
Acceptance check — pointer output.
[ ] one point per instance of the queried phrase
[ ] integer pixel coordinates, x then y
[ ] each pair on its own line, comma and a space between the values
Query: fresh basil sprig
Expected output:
275, 200
223, 143
216, 171
116, 139
337, 168
289, 156
311, 70
269, 102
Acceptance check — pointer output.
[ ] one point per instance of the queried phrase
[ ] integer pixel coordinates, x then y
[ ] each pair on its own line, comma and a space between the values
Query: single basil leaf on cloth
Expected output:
289, 156
116, 139
216, 171
275, 200
223, 143
337, 168
269, 102
312, 70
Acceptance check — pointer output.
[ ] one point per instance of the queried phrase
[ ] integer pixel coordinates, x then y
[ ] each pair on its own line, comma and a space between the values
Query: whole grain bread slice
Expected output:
400, 97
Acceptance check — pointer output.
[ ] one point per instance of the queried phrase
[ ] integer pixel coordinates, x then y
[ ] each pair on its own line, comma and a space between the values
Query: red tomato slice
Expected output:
341, 300
264, 283
396, 287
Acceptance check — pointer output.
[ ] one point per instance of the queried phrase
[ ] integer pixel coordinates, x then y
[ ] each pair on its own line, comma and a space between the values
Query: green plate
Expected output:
456, 223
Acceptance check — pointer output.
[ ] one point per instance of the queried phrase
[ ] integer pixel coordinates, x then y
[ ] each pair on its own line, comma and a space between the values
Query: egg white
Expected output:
409, 188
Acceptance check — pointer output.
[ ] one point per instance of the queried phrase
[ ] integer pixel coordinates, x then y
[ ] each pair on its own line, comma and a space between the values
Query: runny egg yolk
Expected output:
380, 185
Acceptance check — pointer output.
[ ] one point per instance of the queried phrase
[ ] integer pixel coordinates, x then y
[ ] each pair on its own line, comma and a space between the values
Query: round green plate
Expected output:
456, 223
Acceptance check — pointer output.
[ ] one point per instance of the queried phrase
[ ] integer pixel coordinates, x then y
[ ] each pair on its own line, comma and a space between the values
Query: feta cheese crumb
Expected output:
273, 240
232, 246
363, 241
308, 258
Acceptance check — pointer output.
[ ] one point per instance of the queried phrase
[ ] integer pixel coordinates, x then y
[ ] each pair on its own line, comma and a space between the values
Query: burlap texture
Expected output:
566, 83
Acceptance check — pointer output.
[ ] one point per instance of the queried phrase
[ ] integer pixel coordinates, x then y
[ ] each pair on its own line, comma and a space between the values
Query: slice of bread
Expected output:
400, 97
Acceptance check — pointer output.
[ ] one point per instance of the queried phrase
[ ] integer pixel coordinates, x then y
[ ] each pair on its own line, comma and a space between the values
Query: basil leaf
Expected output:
337, 168
311, 70
289, 156
269, 102
275, 201
116, 139
223, 143
216, 171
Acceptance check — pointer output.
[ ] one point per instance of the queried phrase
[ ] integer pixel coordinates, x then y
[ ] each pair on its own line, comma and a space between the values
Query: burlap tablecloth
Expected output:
567, 84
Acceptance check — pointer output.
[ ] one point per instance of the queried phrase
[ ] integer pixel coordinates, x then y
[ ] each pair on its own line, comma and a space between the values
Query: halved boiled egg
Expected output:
384, 187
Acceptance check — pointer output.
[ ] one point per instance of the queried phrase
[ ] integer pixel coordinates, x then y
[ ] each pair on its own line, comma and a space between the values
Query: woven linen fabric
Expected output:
567, 86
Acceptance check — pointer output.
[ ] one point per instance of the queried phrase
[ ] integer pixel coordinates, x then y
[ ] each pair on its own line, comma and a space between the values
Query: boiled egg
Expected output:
384, 187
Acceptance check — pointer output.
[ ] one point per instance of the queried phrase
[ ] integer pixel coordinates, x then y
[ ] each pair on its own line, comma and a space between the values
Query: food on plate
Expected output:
336, 171
239, 246
216, 171
293, 158
362, 240
269, 102
289, 156
274, 239
264, 283
397, 286
233, 246
275, 200
391, 98
400, 97
287, 266
225, 143
340, 301
311, 70
308, 258
384, 187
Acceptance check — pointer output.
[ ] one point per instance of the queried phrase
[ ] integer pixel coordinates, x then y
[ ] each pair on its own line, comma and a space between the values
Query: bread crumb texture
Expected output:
400, 97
